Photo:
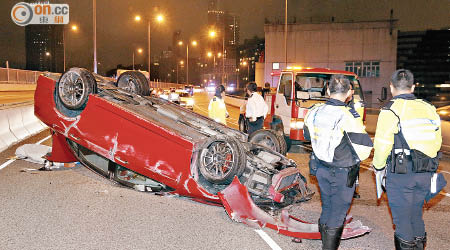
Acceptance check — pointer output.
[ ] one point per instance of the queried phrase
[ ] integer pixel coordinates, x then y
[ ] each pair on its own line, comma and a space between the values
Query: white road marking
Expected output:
267, 239
7, 163
4, 165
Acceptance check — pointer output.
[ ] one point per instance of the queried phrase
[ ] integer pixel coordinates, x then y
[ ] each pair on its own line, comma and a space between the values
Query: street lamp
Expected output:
245, 63
212, 35
210, 54
139, 51
74, 28
159, 18
193, 43
181, 64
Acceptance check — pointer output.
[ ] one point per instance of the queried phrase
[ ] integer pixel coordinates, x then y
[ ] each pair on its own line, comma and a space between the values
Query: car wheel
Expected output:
221, 159
74, 87
269, 139
288, 143
134, 82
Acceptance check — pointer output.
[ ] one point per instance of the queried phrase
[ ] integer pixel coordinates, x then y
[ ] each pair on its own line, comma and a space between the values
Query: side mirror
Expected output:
383, 93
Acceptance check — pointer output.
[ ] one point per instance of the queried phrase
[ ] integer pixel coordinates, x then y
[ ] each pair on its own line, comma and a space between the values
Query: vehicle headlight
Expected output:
190, 102
297, 124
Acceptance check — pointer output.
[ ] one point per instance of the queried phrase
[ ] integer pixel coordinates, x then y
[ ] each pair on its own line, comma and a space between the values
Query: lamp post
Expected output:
193, 43
213, 34
181, 63
245, 63
47, 54
94, 17
139, 51
74, 28
159, 18
285, 32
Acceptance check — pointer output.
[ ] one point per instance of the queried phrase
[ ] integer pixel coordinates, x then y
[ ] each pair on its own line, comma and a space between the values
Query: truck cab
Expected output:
298, 89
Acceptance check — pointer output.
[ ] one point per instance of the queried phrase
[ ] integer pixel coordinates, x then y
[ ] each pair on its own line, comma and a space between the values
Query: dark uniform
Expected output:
407, 141
339, 143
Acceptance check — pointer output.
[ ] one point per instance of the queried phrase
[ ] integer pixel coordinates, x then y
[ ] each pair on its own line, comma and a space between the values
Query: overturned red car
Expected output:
117, 130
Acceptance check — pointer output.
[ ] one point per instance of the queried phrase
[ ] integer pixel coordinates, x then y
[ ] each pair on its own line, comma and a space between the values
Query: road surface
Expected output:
76, 209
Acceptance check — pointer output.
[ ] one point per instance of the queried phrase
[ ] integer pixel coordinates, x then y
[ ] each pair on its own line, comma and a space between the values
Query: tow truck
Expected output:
298, 89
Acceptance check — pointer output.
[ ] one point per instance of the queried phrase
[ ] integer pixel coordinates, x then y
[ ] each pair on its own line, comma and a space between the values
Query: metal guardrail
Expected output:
21, 76
18, 76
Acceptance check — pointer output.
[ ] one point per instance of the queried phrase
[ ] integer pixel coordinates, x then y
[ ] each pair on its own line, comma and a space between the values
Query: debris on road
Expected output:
33, 153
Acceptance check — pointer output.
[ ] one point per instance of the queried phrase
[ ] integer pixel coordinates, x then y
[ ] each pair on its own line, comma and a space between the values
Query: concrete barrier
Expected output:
6, 136
233, 101
31, 123
3, 145
18, 123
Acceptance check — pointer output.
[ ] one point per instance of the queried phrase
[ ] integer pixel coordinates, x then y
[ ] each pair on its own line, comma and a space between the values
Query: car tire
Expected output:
221, 159
269, 139
288, 143
74, 87
133, 82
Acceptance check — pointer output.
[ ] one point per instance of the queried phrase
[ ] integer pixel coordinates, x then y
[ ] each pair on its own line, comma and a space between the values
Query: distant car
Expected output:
189, 89
444, 113
186, 100
164, 94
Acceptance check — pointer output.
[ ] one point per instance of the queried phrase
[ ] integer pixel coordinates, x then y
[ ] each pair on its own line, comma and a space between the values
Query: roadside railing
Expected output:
18, 76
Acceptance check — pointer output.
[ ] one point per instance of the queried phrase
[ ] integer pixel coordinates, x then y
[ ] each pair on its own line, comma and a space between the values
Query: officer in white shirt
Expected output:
256, 109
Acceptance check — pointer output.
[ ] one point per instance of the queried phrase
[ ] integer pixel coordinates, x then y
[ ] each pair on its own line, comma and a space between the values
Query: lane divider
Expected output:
4, 165
267, 239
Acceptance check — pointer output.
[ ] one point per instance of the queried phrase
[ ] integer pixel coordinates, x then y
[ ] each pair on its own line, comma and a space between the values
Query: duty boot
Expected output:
420, 242
401, 244
321, 226
321, 231
331, 237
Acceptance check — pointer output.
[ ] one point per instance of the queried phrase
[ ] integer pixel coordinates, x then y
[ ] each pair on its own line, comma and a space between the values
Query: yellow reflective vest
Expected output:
337, 136
420, 125
217, 110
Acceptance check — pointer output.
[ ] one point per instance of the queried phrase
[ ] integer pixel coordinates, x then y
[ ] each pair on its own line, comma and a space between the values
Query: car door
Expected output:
283, 100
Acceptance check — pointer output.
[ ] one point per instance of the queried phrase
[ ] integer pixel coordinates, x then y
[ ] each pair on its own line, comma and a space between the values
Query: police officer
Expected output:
217, 109
407, 141
339, 143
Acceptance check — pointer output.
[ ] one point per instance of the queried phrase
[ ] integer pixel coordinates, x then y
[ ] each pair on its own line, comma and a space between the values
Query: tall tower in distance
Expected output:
44, 46
227, 25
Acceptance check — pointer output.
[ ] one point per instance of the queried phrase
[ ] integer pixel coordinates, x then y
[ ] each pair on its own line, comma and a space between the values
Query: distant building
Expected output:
227, 26
367, 48
250, 52
44, 46
427, 55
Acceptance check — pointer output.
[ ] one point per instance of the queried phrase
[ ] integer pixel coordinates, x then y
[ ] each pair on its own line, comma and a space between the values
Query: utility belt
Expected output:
353, 171
257, 118
421, 163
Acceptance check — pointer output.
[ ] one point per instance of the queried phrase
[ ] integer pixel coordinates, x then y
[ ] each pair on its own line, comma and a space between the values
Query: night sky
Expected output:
118, 33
